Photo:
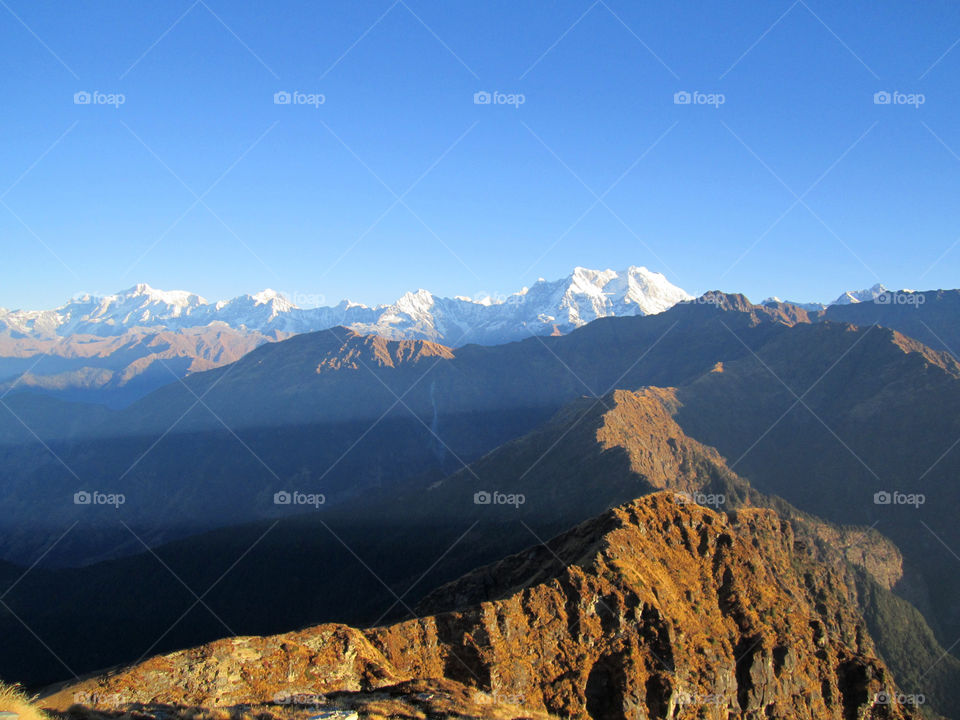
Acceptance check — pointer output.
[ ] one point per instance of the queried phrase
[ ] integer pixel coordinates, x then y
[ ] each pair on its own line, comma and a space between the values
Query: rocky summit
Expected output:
658, 608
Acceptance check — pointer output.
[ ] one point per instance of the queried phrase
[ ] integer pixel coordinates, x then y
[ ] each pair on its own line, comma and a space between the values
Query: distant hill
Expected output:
118, 369
932, 317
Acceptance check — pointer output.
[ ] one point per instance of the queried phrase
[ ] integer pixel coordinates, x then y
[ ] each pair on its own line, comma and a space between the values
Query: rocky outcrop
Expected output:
363, 351
655, 609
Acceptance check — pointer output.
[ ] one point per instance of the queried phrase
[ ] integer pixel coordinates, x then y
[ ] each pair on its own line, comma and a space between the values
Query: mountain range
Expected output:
114, 349
720, 464
406, 439
545, 308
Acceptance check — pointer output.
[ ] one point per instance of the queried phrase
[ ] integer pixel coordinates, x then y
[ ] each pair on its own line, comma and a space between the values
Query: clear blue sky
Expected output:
287, 201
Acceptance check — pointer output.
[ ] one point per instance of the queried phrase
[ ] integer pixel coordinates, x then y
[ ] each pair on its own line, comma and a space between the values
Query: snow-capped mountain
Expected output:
848, 298
544, 308
142, 306
857, 296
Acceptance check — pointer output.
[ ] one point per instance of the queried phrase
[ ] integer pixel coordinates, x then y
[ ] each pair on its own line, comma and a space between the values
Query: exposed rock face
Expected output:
656, 609
364, 351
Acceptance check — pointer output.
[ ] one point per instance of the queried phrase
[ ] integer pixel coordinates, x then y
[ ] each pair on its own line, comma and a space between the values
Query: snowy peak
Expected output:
591, 294
858, 296
651, 291
585, 278
545, 308
173, 298
851, 297
269, 296
418, 302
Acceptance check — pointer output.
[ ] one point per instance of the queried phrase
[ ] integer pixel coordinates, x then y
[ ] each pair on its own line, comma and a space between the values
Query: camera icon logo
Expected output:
281, 97
882, 498
482, 498
881, 97
482, 98
682, 97
883, 298
81, 98
82, 498
282, 498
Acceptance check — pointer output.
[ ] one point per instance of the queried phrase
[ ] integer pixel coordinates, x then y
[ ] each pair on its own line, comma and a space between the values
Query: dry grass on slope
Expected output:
410, 700
12, 699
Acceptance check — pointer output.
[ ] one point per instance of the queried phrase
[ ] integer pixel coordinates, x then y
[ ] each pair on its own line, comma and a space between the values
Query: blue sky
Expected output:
798, 185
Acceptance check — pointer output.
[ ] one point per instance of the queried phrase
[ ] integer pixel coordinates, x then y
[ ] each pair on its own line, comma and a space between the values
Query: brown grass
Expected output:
12, 699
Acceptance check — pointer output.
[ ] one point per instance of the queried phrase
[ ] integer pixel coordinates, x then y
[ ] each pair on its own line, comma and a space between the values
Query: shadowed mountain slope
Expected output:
932, 317
856, 425
332, 412
592, 455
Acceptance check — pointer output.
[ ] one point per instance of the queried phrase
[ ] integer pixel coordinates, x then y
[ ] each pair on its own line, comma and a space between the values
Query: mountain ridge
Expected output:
664, 610
566, 303
66, 352
105, 350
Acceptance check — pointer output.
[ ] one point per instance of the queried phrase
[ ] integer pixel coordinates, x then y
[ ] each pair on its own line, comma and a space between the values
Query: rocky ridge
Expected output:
655, 609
